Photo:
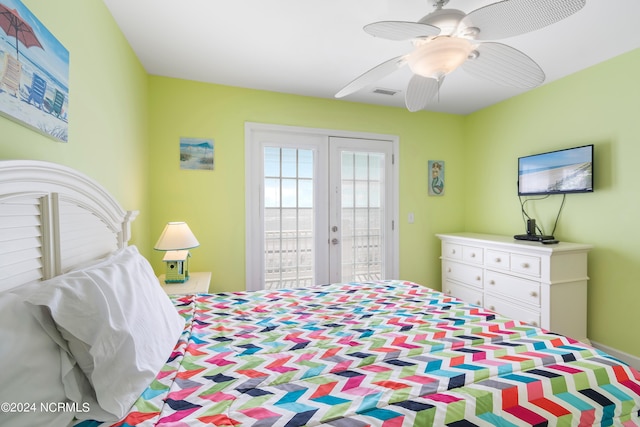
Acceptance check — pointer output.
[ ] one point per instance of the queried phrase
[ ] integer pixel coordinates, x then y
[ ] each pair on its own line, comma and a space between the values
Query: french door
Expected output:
320, 208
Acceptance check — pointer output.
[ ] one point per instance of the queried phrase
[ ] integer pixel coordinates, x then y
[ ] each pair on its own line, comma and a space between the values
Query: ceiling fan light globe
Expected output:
439, 56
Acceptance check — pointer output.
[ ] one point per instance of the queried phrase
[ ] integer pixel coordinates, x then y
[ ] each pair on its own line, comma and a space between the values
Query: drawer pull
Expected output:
449, 291
492, 282
533, 294
492, 307
525, 265
453, 251
498, 260
478, 278
473, 255
478, 302
533, 323
449, 270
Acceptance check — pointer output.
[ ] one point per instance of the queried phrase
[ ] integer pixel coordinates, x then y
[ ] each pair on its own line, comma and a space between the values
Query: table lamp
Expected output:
176, 239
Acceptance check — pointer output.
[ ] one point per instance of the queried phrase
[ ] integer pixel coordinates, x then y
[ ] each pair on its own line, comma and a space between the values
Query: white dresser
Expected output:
544, 285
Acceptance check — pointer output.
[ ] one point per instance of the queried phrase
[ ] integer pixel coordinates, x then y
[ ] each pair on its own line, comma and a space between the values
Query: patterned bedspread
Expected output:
388, 354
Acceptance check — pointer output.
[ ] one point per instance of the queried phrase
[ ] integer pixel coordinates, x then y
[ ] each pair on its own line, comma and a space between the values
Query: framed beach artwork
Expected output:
196, 153
34, 73
436, 177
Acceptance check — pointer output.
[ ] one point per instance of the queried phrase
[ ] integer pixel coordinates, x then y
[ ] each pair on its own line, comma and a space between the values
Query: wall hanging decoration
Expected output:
436, 177
196, 153
34, 73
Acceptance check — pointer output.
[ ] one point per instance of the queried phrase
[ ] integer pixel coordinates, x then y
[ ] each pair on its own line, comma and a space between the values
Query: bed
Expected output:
387, 353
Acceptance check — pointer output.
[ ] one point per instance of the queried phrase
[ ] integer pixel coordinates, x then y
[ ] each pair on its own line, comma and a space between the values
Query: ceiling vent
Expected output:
389, 92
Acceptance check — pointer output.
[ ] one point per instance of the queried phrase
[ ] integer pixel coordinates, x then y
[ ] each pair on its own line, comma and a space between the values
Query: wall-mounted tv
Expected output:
556, 172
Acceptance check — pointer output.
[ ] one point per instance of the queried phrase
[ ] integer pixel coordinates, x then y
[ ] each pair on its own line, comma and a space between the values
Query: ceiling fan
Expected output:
447, 39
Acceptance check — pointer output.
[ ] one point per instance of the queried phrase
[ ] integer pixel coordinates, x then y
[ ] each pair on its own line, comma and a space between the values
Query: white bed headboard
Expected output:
53, 218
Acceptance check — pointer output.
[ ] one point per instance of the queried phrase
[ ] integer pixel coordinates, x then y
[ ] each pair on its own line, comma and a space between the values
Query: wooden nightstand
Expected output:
197, 283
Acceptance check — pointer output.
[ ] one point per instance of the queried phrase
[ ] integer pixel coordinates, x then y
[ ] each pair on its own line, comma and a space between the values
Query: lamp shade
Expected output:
176, 236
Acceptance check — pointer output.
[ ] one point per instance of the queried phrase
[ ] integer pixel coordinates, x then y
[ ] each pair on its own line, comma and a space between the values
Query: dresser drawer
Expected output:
511, 310
529, 265
523, 290
498, 259
451, 250
473, 255
467, 274
466, 294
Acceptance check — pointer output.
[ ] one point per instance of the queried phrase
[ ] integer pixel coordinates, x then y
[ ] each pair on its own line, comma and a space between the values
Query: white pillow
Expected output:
33, 368
120, 325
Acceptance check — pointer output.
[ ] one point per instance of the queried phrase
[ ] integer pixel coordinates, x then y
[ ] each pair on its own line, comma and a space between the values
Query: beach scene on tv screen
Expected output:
559, 171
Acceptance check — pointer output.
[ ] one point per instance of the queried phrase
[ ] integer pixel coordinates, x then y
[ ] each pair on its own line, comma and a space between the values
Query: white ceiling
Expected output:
315, 47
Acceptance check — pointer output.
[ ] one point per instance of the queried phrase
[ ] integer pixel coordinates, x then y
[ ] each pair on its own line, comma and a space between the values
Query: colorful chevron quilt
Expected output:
387, 354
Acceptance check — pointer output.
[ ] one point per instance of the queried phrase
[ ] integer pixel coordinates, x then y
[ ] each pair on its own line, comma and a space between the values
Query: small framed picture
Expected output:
196, 153
436, 177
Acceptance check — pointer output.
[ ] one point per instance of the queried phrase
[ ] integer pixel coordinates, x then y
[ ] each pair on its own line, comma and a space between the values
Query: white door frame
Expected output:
253, 197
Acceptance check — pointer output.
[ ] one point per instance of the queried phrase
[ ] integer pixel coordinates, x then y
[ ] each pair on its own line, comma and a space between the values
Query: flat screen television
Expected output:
556, 172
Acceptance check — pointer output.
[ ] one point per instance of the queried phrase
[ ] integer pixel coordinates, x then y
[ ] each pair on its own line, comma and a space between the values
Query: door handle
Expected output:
335, 241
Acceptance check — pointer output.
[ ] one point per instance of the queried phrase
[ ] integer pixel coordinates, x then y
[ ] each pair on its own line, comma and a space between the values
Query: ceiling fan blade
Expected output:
513, 17
504, 65
373, 75
401, 30
420, 91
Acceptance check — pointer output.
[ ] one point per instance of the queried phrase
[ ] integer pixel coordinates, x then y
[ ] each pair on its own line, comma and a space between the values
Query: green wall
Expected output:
212, 202
107, 108
598, 106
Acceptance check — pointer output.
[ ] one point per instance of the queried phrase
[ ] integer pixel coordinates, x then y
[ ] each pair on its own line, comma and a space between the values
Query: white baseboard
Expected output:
625, 357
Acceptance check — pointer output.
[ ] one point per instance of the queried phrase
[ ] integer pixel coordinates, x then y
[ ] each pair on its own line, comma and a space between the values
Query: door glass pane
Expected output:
288, 217
347, 166
305, 164
289, 193
305, 193
271, 161
361, 166
289, 162
362, 187
271, 193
